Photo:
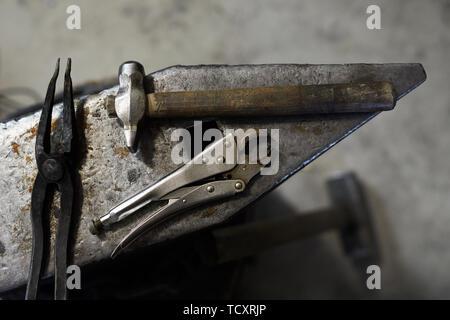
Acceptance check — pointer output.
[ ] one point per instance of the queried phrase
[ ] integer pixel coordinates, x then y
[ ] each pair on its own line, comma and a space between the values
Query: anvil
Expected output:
109, 173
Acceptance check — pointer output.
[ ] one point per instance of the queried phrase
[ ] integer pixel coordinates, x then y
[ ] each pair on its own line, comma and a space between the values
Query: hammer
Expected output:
132, 101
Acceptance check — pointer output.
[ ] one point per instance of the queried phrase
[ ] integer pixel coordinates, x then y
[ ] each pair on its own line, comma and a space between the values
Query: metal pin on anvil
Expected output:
132, 102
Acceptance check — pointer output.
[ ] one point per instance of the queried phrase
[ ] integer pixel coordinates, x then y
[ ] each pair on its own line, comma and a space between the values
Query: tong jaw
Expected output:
43, 134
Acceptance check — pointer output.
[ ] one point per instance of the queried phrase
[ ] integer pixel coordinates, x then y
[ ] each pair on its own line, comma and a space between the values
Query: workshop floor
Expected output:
401, 156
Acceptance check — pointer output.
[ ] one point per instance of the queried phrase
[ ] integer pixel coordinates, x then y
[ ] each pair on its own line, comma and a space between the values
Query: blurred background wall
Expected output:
401, 156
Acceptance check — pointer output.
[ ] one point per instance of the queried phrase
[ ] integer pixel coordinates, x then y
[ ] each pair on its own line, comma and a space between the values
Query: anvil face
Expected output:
109, 173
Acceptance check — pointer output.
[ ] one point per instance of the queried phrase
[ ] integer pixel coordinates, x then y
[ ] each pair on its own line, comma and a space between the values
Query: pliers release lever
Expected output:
54, 169
205, 178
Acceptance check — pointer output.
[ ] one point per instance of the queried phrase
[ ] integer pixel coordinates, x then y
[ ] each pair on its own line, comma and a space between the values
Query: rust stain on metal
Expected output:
300, 129
18, 230
86, 125
15, 148
121, 151
109, 103
54, 124
28, 159
90, 150
209, 212
317, 130
25, 208
27, 183
31, 133
25, 244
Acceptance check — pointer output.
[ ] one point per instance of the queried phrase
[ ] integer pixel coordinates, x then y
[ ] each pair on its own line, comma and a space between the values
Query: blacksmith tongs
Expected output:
54, 169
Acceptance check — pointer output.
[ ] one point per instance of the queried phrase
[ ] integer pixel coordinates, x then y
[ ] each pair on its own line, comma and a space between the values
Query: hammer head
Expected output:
130, 102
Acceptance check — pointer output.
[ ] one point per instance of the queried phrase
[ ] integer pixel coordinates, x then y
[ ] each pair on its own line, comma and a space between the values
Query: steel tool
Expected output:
54, 169
132, 102
209, 176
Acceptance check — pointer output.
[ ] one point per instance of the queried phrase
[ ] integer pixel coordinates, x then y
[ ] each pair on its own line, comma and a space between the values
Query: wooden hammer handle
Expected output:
273, 101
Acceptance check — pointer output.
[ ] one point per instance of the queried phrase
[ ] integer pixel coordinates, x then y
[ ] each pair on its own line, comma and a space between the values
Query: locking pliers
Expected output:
207, 177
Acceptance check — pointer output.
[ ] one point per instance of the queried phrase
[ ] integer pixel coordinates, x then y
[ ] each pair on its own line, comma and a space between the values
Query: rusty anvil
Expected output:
110, 173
